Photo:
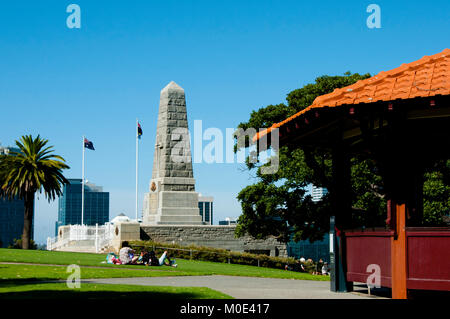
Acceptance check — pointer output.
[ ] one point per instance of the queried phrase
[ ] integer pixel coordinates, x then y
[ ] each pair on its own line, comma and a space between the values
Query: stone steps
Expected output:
181, 223
174, 219
83, 246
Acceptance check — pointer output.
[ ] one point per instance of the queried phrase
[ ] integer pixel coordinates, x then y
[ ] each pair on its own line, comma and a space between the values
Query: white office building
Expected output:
229, 221
317, 193
205, 205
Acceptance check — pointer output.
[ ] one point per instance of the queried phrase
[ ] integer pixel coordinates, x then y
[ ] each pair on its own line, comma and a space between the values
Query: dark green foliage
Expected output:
298, 100
301, 98
277, 204
212, 254
34, 169
367, 194
436, 193
18, 244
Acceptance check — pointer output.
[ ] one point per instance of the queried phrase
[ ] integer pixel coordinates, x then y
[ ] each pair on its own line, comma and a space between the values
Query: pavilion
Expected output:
400, 119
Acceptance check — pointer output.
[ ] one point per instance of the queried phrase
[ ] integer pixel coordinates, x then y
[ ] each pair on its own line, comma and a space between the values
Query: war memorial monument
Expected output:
172, 199
171, 213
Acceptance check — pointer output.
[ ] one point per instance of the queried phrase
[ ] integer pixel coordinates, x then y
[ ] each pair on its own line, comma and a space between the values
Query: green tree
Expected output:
436, 193
278, 204
18, 244
299, 99
34, 168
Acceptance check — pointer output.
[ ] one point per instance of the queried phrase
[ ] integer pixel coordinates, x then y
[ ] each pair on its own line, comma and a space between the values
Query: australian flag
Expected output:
88, 144
139, 131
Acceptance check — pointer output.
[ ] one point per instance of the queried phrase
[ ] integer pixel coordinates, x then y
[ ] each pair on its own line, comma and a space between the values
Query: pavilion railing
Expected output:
428, 260
95, 236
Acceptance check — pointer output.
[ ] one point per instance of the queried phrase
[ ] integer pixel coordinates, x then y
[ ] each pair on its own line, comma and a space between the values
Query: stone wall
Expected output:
124, 231
212, 236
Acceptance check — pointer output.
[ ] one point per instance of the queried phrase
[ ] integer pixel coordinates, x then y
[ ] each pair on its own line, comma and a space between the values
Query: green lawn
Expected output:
105, 291
25, 274
185, 267
46, 272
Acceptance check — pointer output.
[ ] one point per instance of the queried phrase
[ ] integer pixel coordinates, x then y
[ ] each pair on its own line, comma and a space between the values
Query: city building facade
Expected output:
228, 221
11, 213
11, 221
205, 206
96, 205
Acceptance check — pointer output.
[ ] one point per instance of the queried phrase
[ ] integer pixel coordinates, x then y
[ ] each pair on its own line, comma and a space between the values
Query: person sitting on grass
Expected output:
155, 261
126, 255
115, 260
325, 269
143, 258
319, 266
297, 266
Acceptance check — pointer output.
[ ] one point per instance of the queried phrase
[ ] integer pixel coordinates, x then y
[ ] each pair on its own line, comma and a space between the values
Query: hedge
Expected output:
217, 255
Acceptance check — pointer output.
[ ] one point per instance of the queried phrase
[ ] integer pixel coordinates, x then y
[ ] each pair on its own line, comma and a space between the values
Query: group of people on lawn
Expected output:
127, 257
321, 267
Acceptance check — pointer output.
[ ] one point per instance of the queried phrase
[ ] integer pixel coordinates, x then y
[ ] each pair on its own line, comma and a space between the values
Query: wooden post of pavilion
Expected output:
403, 178
341, 203
398, 254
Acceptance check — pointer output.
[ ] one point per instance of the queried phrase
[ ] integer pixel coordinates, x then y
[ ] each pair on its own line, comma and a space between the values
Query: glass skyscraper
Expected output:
205, 205
11, 213
96, 205
11, 221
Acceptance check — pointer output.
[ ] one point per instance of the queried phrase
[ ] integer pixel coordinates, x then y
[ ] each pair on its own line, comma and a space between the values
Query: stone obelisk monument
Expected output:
172, 199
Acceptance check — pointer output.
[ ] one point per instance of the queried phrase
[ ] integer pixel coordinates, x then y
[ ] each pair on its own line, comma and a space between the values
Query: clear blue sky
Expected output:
231, 57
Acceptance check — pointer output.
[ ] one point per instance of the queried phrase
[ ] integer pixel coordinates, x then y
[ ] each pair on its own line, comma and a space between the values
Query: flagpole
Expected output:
82, 187
137, 157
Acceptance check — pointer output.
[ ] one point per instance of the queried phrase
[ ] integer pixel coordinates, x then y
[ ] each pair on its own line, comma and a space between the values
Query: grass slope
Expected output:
185, 267
37, 291
25, 274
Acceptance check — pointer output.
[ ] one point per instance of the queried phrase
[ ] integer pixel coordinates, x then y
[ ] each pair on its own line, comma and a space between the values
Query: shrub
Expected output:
216, 255
18, 244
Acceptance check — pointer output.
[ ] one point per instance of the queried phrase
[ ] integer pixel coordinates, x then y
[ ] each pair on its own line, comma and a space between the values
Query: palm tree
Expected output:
34, 168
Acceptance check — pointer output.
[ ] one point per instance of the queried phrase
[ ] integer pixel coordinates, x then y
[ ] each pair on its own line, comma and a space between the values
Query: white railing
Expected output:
54, 243
105, 237
98, 236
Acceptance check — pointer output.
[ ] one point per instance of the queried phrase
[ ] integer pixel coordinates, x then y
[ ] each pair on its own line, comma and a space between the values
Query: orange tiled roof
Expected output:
428, 76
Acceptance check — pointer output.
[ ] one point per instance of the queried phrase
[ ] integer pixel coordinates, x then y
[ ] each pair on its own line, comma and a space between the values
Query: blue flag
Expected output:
88, 144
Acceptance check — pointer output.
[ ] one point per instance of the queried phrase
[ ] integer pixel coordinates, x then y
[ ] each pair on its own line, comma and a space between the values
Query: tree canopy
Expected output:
278, 204
34, 168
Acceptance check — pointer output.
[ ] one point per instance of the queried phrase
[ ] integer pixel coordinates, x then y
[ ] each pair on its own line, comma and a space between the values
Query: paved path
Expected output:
243, 287
237, 286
